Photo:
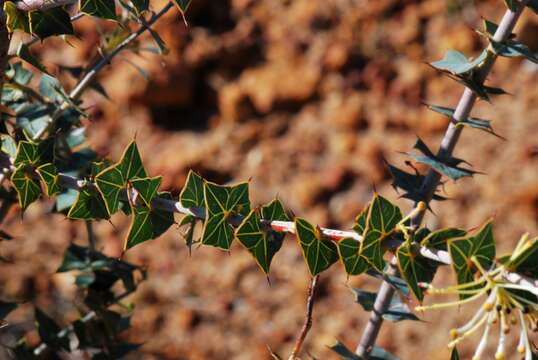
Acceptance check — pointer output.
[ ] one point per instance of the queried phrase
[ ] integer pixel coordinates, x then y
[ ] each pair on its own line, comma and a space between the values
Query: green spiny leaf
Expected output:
104, 9
480, 245
130, 164
438, 239
147, 188
55, 21
221, 203
263, 243
524, 262
183, 5
27, 153
141, 5
383, 216
319, 253
454, 355
414, 268
192, 194
344, 352
88, 206
397, 311
24, 53
25, 183
148, 223
513, 5
111, 184
49, 174
349, 253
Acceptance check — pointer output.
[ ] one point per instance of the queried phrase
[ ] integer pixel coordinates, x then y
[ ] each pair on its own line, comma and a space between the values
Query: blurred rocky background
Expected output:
308, 99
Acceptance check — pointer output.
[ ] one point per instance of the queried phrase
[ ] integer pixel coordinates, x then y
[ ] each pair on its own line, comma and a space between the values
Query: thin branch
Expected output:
92, 241
433, 178
4, 45
308, 319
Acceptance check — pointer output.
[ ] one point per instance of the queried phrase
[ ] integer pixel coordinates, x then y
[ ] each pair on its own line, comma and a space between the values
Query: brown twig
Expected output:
4, 44
308, 319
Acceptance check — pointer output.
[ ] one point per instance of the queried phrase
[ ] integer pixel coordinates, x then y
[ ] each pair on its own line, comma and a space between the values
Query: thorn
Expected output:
268, 280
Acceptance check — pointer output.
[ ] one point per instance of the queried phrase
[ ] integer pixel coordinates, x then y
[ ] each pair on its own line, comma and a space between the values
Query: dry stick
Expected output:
308, 319
452, 134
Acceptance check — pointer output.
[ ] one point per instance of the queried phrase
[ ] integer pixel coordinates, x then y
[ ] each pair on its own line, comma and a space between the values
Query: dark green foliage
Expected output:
105, 9
319, 253
484, 125
414, 268
397, 311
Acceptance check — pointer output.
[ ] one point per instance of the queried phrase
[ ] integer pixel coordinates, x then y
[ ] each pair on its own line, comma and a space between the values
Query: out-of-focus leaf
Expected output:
221, 203
9, 146
454, 355
183, 5
480, 245
525, 262
54, 21
533, 5
484, 125
24, 53
89, 205
16, 19
318, 253
6, 308
513, 5
378, 353
48, 331
262, 242
141, 5
105, 9
456, 63
397, 311
344, 352
66, 199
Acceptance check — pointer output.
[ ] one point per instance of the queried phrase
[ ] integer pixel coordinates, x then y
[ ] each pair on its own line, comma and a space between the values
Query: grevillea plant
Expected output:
41, 137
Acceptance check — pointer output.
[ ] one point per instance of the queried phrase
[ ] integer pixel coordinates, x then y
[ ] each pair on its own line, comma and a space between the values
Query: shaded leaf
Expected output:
140, 5
480, 245
397, 311
454, 355
533, 5
344, 352
54, 21
48, 330
261, 241
524, 262
9, 146
438, 239
16, 19
6, 308
27, 187
183, 5
513, 5
105, 9
318, 253
89, 205
410, 184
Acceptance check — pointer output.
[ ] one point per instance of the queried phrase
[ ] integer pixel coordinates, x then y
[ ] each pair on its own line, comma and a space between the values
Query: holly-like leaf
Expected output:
481, 90
48, 331
318, 253
105, 9
49, 174
27, 153
454, 355
148, 223
513, 5
343, 352
55, 21
456, 63
111, 184
414, 268
383, 216
89, 205
262, 242
16, 19
113, 180
480, 245
221, 203
192, 194
27, 186
438, 239
481, 124
147, 188
448, 167
397, 311
141, 5
410, 184
349, 253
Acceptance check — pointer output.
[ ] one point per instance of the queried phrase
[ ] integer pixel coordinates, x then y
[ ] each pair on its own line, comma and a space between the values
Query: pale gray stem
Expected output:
450, 139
